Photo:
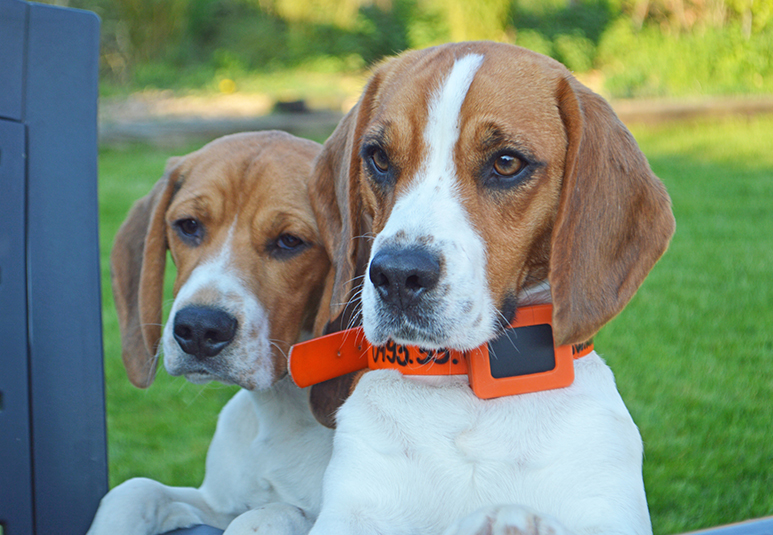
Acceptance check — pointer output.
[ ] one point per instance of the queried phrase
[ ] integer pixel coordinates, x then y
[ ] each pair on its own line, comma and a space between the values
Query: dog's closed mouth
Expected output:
202, 377
199, 373
403, 330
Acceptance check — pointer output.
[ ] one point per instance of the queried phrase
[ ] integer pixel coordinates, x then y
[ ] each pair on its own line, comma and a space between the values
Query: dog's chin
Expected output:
201, 378
409, 336
431, 334
200, 373
249, 364
431, 324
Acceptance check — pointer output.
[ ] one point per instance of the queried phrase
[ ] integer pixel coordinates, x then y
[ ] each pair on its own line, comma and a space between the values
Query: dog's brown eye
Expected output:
508, 165
190, 230
288, 241
380, 160
285, 246
188, 226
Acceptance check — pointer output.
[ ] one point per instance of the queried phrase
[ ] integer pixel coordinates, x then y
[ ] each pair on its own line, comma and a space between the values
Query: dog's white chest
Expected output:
418, 449
267, 448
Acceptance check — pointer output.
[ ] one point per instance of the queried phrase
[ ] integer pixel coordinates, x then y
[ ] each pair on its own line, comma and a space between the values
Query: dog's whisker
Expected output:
152, 364
199, 392
505, 323
356, 293
275, 343
351, 324
152, 324
355, 302
354, 319
355, 297
366, 236
182, 384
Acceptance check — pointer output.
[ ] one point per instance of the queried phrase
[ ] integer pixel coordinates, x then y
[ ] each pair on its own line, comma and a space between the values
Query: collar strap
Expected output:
521, 360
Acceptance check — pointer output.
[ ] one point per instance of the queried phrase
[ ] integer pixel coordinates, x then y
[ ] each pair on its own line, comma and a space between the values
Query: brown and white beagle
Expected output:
236, 217
470, 181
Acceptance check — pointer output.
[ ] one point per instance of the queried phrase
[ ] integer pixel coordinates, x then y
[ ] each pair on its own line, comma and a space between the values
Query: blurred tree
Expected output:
754, 14
473, 20
679, 16
153, 25
341, 13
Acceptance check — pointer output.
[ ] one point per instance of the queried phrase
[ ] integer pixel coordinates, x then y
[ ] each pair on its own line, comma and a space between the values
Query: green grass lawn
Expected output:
692, 353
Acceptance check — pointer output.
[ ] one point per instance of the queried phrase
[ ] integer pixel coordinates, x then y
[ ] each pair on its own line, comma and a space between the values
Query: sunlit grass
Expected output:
692, 353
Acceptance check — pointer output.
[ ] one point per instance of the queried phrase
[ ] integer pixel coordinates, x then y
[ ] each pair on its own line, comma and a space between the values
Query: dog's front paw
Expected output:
507, 520
271, 519
140, 506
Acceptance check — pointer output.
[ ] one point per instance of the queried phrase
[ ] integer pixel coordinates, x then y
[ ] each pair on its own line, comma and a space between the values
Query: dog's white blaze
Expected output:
249, 353
214, 273
432, 208
442, 130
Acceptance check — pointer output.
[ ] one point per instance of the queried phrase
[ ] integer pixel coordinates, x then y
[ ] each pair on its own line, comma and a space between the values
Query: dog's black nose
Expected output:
203, 332
402, 276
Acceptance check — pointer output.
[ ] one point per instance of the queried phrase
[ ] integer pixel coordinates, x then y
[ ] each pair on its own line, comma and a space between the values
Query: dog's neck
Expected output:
537, 294
282, 399
305, 336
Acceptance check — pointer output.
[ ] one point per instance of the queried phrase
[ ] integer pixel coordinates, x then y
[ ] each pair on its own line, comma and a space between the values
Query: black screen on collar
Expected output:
522, 351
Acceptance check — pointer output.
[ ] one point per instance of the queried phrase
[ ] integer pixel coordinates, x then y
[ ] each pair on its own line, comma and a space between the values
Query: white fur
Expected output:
413, 456
268, 455
465, 316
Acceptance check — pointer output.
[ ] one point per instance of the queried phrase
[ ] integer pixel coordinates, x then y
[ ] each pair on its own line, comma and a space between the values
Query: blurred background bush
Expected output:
623, 48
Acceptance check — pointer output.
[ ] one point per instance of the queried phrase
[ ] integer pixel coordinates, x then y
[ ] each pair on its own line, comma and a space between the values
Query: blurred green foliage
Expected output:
638, 47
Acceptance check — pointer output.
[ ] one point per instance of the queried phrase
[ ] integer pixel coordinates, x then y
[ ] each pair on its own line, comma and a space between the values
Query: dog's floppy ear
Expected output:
614, 219
336, 200
334, 192
137, 264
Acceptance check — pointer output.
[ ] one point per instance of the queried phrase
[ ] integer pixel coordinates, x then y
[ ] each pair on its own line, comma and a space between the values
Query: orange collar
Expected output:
521, 360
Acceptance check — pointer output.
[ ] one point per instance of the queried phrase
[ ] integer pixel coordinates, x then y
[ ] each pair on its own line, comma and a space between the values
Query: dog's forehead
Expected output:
245, 173
510, 87
410, 80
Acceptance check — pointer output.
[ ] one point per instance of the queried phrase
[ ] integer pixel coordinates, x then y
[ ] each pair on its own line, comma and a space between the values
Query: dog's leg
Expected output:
507, 520
142, 506
271, 519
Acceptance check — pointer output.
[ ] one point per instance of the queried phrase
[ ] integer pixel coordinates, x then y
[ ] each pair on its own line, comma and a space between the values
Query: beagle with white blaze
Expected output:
473, 185
251, 267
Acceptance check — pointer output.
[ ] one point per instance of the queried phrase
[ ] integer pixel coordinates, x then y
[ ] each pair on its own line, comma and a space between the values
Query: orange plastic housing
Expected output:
486, 386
